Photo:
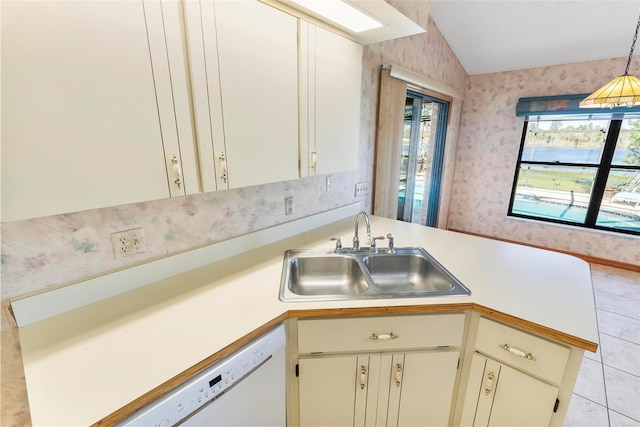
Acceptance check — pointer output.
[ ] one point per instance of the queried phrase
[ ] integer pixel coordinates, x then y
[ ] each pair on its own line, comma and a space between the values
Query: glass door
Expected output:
425, 126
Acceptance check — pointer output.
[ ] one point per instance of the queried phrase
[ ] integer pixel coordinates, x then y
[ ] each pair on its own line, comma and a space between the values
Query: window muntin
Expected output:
579, 171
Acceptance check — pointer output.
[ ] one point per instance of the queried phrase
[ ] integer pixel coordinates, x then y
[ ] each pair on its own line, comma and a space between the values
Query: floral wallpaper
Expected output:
488, 149
44, 252
52, 251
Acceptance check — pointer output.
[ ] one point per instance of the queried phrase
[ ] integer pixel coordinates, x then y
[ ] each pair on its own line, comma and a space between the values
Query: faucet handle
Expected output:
390, 238
373, 241
338, 242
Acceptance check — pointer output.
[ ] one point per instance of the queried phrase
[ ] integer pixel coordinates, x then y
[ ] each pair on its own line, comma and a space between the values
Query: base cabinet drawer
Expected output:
380, 333
524, 351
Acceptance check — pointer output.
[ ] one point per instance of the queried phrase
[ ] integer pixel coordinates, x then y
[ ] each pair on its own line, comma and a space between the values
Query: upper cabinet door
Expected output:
257, 50
256, 139
338, 80
330, 92
80, 119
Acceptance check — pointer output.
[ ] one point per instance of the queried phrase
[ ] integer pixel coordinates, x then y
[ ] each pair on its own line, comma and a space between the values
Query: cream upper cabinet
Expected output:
330, 92
244, 72
378, 371
89, 116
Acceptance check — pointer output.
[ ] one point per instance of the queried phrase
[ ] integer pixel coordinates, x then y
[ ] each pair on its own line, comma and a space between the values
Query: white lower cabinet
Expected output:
380, 378
514, 378
399, 389
498, 395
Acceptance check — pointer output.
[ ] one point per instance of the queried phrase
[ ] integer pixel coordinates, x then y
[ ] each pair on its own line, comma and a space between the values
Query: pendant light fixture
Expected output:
623, 91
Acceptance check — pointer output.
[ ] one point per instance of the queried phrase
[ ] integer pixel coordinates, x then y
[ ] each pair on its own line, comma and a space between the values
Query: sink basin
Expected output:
326, 275
407, 273
362, 274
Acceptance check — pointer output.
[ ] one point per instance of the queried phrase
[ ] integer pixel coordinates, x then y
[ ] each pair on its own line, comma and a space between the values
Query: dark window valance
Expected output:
568, 105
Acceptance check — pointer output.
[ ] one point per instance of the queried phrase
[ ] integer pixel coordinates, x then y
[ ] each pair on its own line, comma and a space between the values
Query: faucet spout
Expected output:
356, 239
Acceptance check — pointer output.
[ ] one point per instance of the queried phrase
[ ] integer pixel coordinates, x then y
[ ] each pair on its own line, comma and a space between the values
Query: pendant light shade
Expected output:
623, 91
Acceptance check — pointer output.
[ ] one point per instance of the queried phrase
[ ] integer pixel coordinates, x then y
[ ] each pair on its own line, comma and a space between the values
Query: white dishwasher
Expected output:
246, 388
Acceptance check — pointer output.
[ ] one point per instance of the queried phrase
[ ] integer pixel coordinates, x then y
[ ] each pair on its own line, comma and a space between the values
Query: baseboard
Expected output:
590, 259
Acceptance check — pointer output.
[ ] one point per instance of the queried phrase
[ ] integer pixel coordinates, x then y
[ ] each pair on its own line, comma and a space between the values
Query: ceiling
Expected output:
490, 36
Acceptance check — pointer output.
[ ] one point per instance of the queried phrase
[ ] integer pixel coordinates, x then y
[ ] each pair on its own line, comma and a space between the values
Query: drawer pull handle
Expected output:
383, 337
489, 383
223, 165
363, 377
177, 170
398, 375
517, 352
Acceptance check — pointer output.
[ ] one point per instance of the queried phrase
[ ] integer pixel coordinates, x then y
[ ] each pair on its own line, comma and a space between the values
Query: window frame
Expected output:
600, 182
443, 102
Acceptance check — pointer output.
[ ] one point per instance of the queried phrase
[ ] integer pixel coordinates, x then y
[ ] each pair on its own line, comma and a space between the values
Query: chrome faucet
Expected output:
356, 239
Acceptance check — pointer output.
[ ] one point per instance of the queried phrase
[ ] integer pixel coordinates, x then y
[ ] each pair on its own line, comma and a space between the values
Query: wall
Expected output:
488, 149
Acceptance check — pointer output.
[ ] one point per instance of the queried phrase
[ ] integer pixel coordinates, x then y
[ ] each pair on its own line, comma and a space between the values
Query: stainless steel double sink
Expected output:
365, 274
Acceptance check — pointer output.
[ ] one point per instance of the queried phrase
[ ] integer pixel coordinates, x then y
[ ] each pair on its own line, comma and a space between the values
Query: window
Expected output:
580, 169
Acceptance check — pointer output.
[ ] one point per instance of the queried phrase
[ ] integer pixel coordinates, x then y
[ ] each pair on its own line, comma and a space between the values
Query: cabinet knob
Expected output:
517, 352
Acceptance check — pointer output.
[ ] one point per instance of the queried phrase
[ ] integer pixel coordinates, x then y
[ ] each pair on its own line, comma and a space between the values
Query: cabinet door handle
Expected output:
384, 337
489, 383
177, 170
398, 375
363, 377
223, 165
517, 352
314, 159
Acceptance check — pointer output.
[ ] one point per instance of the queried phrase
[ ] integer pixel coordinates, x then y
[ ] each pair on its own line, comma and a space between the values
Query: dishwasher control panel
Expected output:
208, 385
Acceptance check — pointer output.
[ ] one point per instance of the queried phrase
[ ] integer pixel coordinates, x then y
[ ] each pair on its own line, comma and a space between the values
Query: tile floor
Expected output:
607, 392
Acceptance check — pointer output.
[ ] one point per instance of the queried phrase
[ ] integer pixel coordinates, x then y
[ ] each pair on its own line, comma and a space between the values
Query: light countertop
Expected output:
85, 364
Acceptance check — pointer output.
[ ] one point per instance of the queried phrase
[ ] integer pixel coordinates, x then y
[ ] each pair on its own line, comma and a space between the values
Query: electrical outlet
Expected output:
329, 183
362, 189
128, 242
288, 206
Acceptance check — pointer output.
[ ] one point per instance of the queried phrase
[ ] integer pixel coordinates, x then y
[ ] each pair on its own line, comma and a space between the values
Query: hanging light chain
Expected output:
633, 45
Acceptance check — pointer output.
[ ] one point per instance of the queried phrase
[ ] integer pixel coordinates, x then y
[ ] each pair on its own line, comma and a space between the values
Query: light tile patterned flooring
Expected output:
607, 392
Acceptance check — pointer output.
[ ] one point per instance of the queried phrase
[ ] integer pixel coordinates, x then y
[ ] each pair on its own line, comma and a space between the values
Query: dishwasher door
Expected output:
258, 400
246, 388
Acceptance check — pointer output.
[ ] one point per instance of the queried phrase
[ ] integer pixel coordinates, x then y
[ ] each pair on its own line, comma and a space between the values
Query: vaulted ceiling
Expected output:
502, 35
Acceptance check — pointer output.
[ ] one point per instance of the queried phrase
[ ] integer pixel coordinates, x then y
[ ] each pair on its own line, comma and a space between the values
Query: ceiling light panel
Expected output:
342, 13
